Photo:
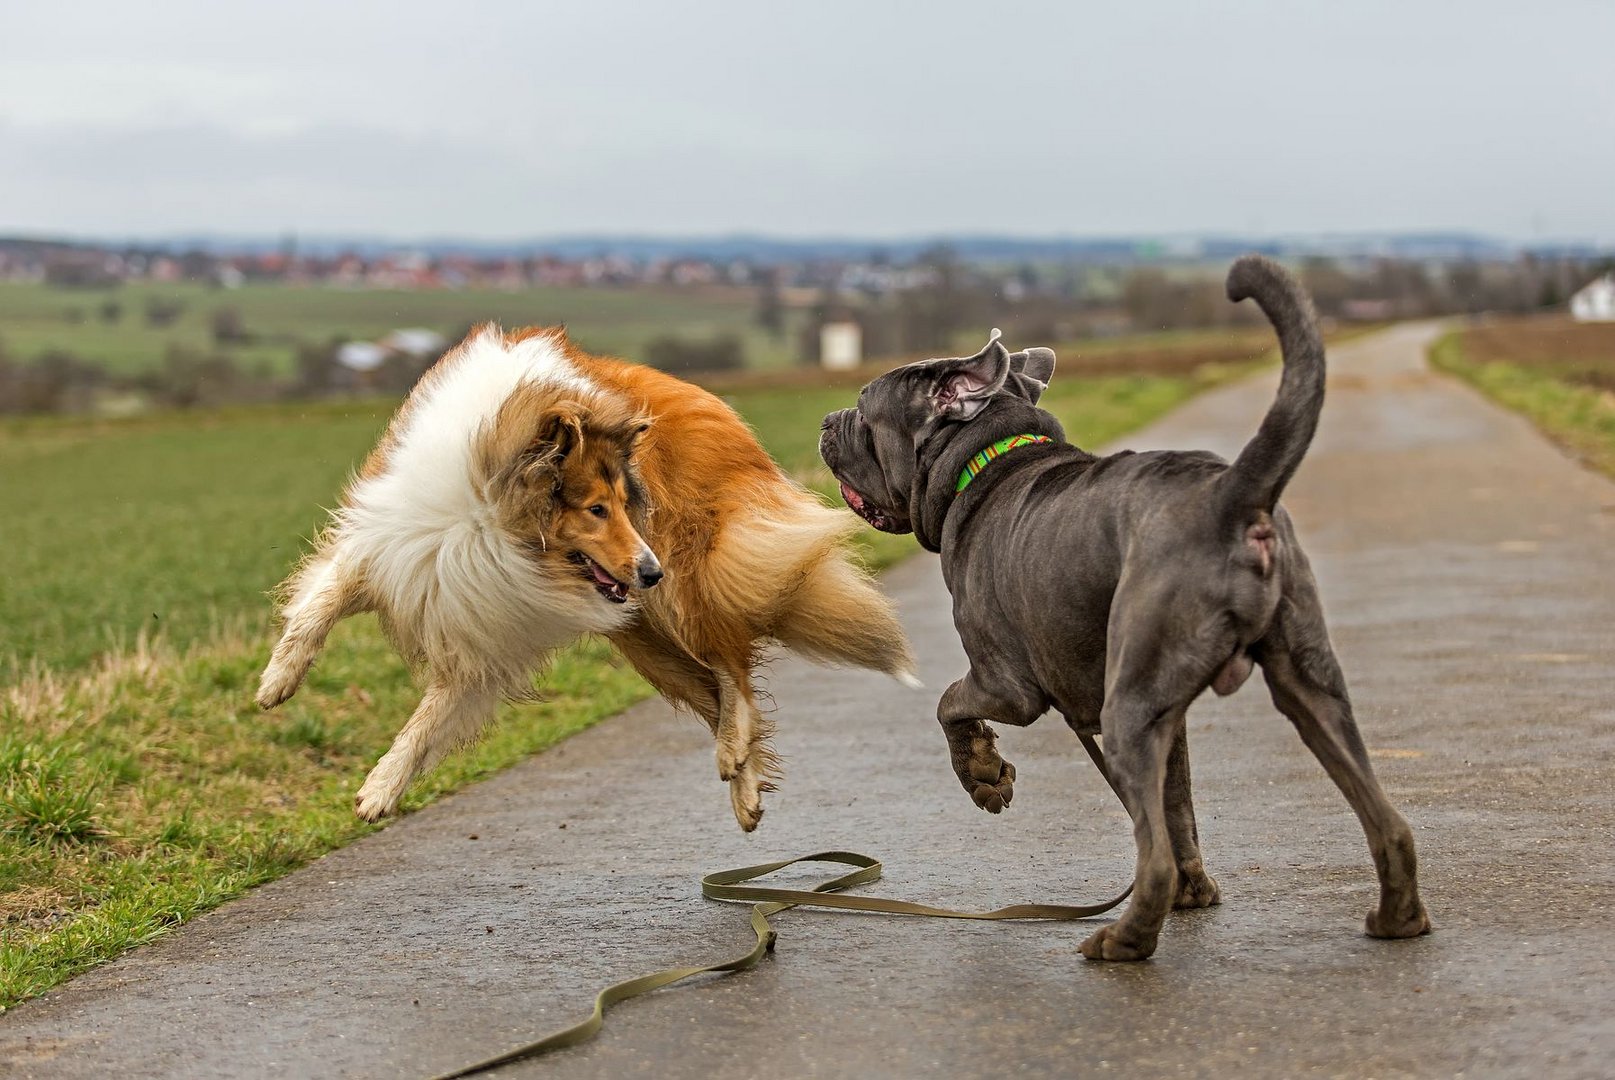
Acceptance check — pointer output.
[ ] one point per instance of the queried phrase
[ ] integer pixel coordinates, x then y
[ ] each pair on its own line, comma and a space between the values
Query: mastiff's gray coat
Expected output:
1117, 589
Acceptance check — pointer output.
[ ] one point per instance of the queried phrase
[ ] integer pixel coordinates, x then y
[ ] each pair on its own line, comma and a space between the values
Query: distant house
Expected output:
417, 342
388, 365
362, 356
1595, 302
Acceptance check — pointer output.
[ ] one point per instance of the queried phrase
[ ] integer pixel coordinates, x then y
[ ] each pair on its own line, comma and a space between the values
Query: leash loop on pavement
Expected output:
730, 885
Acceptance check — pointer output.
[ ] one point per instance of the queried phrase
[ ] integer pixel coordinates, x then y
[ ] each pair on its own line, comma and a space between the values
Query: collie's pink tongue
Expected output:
854, 500
600, 575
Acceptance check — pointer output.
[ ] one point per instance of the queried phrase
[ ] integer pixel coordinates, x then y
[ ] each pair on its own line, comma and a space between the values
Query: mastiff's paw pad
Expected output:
1108, 943
1401, 923
992, 787
1197, 891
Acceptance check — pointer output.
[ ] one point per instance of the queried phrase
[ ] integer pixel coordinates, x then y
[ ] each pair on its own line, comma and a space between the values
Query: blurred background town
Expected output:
117, 328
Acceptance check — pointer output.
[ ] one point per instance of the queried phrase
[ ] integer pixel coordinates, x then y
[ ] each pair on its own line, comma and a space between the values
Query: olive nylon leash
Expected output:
730, 885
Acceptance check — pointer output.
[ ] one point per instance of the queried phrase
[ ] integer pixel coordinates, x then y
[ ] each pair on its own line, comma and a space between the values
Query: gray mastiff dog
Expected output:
1117, 589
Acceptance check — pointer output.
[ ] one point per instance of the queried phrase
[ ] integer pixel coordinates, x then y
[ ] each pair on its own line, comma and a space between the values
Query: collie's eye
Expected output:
598, 511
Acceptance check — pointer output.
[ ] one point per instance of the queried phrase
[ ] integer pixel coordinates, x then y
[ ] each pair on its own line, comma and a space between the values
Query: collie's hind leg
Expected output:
679, 677
745, 758
323, 593
724, 700
839, 616
448, 716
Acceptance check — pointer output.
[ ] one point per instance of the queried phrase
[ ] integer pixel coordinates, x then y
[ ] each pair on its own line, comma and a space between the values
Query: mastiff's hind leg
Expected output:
1196, 888
1307, 686
1152, 673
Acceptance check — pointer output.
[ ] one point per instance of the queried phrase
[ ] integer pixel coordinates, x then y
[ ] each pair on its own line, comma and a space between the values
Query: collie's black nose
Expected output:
650, 572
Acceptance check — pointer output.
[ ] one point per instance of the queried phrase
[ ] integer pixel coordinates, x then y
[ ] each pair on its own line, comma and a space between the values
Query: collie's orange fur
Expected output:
580, 462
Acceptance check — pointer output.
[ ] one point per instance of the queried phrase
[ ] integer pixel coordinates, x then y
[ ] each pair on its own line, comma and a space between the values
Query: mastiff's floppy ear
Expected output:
964, 386
1031, 372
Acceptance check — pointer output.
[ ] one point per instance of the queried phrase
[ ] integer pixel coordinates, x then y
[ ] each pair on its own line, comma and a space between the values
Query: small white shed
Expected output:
1595, 302
361, 356
841, 346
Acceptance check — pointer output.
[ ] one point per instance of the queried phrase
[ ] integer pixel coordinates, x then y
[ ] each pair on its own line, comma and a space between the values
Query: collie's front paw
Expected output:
279, 683
372, 806
379, 795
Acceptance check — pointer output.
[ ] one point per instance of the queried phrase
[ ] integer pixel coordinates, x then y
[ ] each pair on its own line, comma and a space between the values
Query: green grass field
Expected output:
38, 318
138, 784
1559, 374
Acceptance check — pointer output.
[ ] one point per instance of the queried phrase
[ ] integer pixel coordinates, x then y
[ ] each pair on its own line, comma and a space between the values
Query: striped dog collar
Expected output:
1003, 446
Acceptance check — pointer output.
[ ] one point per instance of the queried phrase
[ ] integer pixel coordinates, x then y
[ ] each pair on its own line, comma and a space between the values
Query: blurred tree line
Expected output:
933, 306
950, 301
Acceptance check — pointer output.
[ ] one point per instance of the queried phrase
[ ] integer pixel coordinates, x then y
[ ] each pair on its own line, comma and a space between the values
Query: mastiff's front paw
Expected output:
992, 787
988, 778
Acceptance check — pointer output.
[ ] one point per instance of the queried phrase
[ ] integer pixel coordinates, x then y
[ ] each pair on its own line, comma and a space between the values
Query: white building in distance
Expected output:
1595, 302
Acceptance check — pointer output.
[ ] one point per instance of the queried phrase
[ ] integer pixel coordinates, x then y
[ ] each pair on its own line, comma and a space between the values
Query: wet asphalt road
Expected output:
1466, 567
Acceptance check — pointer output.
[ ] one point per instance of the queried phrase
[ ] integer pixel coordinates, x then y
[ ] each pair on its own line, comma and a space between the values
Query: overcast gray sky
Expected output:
515, 119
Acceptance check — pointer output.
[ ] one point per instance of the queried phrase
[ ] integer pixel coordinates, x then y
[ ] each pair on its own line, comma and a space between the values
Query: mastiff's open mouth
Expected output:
860, 506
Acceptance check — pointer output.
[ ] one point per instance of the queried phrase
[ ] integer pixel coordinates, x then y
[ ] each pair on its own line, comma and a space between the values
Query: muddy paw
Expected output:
745, 796
1403, 922
988, 778
1196, 890
1110, 943
992, 788
373, 805
278, 684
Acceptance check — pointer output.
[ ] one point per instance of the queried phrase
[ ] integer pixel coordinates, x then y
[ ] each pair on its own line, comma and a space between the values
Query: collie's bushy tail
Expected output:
789, 565
838, 616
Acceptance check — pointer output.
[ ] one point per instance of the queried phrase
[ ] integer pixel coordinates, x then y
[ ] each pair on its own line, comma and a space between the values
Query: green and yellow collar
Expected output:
1003, 446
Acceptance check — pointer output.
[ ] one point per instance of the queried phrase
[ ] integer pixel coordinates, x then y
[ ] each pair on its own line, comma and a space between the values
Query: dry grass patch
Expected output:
1560, 374
149, 789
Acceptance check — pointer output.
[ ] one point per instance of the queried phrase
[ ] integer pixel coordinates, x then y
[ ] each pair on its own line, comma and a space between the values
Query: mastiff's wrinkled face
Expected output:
874, 448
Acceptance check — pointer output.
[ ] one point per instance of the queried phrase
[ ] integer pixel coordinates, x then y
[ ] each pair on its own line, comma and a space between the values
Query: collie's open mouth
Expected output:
604, 584
865, 511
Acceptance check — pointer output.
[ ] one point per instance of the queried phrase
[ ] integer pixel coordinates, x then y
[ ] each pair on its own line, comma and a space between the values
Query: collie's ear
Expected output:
558, 433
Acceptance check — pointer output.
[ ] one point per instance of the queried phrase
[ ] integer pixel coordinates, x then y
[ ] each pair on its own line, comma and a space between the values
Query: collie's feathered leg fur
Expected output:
745, 757
449, 716
780, 572
322, 592
677, 676
737, 722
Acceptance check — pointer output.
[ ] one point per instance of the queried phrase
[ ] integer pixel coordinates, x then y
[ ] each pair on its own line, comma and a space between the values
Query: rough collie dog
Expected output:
526, 493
